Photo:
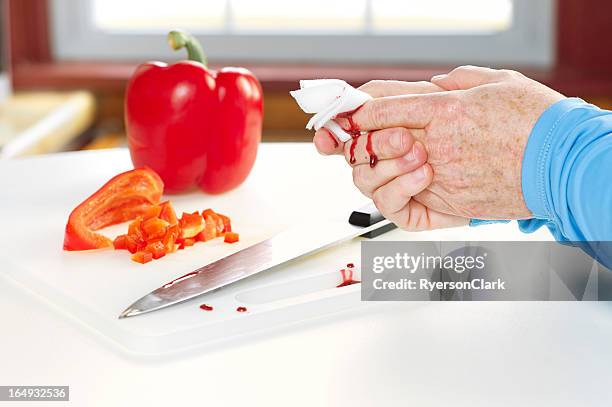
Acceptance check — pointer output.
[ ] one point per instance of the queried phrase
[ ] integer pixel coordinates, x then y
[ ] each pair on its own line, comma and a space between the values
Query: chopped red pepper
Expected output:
122, 198
186, 243
152, 212
170, 238
208, 212
121, 242
132, 244
231, 237
220, 226
156, 235
227, 224
154, 231
156, 249
134, 226
154, 228
167, 213
142, 257
210, 230
191, 224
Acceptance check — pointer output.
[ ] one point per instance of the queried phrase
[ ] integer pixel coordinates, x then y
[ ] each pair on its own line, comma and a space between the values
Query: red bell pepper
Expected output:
122, 198
192, 125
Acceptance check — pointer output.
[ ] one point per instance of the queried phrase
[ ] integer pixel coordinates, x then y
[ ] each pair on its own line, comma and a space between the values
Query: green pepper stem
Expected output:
180, 39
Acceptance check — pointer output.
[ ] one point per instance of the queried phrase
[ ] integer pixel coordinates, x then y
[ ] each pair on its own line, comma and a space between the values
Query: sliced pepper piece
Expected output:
208, 212
121, 242
231, 237
135, 229
156, 249
142, 257
191, 224
122, 198
187, 242
169, 240
132, 244
227, 223
152, 212
167, 213
218, 221
210, 230
154, 228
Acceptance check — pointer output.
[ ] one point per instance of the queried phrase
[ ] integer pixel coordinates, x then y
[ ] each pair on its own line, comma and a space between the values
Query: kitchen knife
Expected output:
289, 245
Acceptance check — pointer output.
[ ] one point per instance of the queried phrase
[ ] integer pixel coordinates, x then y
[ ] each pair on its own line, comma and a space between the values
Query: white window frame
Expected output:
5, 86
528, 42
5, 83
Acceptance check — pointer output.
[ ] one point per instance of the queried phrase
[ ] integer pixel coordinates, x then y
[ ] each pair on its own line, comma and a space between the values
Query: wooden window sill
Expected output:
112, 77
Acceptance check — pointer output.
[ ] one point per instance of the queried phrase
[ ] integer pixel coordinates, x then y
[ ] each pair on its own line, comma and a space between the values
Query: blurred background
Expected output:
64, 64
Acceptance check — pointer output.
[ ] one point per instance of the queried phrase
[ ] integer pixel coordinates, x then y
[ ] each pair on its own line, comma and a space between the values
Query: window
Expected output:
364, 31
274, 16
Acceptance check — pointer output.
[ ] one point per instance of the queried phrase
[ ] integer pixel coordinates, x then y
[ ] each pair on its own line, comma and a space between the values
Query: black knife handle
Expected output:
367, 216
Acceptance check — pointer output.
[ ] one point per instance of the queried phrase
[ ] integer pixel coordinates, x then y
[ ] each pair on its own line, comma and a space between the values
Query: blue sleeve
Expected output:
567, 175
567, 171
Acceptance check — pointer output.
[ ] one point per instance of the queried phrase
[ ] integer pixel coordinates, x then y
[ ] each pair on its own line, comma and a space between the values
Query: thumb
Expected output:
467, 77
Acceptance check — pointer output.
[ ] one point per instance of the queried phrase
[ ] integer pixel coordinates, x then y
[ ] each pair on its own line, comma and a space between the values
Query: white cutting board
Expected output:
290, 184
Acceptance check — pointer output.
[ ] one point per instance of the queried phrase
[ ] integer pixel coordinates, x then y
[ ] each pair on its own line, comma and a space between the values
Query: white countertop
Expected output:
472, 354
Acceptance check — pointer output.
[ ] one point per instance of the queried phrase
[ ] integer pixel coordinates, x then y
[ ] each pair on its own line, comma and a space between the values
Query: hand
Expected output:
401, 171
475, 135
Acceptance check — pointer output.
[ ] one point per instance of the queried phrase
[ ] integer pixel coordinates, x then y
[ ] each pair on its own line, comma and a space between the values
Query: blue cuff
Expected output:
480, 222
538, 154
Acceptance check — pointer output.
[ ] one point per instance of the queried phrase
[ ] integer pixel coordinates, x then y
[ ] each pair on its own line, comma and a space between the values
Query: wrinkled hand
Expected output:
475, 135
401, 171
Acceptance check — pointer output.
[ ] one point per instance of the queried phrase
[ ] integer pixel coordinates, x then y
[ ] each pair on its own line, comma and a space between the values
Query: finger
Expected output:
368, 179
417, 217
411, 111
378, 88
382, 144
396, 194
468, 76
326, 143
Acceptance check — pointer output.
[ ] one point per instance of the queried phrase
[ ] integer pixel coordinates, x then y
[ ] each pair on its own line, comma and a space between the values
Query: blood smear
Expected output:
370, 150
347, 278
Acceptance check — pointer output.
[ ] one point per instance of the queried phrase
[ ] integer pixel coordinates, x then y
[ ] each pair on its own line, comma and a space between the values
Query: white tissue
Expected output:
327, 98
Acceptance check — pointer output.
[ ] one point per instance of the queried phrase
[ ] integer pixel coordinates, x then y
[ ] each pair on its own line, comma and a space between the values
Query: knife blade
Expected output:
286, 246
